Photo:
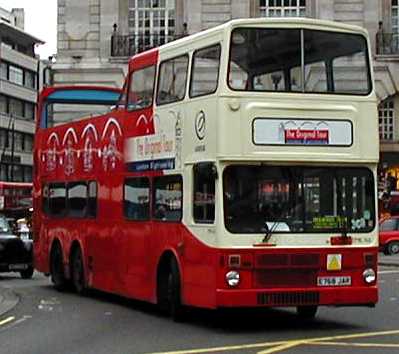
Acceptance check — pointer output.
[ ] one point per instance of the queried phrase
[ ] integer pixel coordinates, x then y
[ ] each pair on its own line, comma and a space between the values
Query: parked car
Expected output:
389, 235
16, 254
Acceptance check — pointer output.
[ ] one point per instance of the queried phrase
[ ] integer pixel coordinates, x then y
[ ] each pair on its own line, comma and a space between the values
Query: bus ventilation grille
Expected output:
289, 298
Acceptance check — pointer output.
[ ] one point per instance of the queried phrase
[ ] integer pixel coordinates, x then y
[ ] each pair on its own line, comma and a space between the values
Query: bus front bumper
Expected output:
345, 296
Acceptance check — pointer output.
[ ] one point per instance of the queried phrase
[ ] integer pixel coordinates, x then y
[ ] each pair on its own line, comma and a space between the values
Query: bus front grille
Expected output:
288, 298
285, 278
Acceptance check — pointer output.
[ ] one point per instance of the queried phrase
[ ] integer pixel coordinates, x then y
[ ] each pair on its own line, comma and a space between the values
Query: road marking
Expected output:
7, 320
288, 345
367, 345
282, 345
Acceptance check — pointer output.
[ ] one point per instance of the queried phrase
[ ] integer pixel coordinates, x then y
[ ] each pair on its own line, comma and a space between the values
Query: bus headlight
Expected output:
233, 278
369, 276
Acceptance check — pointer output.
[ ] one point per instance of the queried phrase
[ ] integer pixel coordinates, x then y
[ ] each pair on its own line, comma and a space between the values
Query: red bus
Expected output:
15, 198
237, 168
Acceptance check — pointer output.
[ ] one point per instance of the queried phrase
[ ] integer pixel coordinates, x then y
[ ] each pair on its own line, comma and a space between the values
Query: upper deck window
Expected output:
172, 80
205, 71
141, 88
295, 60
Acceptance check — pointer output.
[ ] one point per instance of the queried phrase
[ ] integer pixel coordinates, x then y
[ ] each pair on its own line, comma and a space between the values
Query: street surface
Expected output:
46, 321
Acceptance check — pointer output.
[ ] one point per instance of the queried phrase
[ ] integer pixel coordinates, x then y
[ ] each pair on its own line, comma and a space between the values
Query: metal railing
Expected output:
131, 44
387, 43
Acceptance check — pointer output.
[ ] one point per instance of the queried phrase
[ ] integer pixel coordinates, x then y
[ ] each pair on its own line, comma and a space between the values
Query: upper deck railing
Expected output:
131, 44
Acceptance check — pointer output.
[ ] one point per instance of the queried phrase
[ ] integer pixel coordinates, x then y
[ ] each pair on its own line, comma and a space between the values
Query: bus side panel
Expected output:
200, 265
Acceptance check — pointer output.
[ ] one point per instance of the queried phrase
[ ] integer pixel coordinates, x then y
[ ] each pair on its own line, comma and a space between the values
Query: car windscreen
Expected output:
285, 199
298, 60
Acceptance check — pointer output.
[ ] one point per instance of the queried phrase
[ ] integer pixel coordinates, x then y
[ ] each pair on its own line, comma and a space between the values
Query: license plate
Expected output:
18, 266
334, 281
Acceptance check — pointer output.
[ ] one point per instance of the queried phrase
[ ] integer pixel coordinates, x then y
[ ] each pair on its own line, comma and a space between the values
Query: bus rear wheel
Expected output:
78, 274
307, 312
57, 268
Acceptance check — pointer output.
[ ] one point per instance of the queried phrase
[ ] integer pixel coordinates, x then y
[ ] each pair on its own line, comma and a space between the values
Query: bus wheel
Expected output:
57, 268
78, 275
393, 247
27, 273
306, 312
175, 307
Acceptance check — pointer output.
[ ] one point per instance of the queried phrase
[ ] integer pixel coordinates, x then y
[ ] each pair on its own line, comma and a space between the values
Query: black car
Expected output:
16, 254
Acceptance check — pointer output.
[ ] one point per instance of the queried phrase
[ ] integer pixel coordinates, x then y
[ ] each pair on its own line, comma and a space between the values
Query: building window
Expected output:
386, 119
16, 75
3, 70
28, 142
16, 108
30, 79
151, 22
3, 104
282, 8
29, 111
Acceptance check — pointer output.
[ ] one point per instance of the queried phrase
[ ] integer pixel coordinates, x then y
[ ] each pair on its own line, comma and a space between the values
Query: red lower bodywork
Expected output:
125, 260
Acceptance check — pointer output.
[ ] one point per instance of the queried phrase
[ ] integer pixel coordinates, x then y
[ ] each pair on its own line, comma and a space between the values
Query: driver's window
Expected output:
141, 88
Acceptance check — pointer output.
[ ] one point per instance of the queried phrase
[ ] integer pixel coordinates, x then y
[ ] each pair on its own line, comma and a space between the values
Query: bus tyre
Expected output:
393, 247
78, 274
175, 308
27, 273
57, 268
306, 312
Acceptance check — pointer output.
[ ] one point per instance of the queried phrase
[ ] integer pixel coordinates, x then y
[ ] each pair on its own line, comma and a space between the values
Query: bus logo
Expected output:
200, 125
306, 136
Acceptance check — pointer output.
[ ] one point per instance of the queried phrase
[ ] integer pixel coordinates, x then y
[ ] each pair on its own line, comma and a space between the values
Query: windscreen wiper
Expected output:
269, 231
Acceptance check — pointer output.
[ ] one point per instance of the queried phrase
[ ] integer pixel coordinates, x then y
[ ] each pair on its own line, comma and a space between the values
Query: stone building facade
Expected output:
96, 37
19, 82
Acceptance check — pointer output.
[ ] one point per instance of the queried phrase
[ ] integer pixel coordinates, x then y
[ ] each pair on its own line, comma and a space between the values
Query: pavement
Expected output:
9, 299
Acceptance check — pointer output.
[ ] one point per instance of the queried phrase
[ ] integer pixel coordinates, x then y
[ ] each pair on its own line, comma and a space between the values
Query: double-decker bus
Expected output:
237, 168
15, 198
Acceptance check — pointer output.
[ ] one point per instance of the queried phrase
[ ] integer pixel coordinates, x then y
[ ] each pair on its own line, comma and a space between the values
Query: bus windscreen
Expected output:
298, 199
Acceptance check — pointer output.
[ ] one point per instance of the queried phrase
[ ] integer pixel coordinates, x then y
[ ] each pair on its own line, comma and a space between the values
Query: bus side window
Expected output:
77, 199
92, 200
57, 199
141, 89
168, 198
205, 71
137, 198
204, 193
172, 80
